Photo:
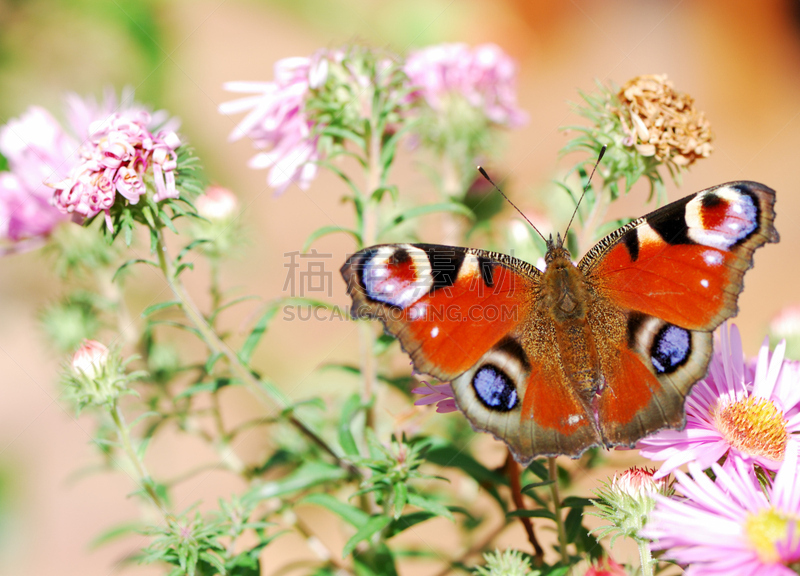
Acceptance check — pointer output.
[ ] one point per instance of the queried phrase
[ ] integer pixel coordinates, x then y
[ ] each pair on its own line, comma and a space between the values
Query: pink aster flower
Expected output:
747, 413
440, 394
115, 158
731, 526
36, 149
276, 122
484, 76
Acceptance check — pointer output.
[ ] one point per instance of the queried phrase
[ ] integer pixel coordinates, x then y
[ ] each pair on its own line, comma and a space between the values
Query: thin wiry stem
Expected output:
562, 533
217, 346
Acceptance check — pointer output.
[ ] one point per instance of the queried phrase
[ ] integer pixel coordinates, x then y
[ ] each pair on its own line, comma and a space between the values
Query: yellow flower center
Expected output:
764, 529
754, 426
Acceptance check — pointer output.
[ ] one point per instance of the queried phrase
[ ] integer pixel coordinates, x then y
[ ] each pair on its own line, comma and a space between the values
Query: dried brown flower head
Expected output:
662, 122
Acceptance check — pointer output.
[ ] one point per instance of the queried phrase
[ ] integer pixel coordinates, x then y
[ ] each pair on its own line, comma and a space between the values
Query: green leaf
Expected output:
178, 325
212, 360
189, 247
159, 306
429, 505
325, 230
383, 342
350, 514
201, 387
182, 267
407, 521
445, 454
400, 498
535, 485
378, 194
540, 513
417, 211
352, 406
227, 305
131, 262
576, 502
308, 475
374, 525
377, 561
344, 134
539, 469
116, 532
572, 523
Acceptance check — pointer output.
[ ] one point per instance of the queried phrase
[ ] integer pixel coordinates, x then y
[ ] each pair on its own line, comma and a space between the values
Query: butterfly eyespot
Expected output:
494, 389
671, 347
396, 275
722, 218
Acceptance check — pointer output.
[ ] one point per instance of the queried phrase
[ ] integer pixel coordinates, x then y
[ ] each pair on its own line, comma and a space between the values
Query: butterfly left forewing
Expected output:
447, 305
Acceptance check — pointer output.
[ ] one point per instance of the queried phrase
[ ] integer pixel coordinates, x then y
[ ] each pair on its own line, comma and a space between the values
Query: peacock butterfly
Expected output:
602, 353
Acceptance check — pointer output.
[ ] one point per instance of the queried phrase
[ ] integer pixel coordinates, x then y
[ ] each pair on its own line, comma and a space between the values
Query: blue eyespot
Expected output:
494, 388
671, 348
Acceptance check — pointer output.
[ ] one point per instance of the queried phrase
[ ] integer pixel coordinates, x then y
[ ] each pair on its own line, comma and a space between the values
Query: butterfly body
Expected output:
598, 353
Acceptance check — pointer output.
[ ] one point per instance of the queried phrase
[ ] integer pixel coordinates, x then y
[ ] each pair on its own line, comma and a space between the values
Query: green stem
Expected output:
217, 346
562, 533
369, 235
645, 557
143, 476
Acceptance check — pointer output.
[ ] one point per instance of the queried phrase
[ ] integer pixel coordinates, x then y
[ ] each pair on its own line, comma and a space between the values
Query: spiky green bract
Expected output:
507, 563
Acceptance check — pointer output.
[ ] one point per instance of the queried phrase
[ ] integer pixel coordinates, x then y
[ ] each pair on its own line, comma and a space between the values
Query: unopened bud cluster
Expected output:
627, 501
96, 375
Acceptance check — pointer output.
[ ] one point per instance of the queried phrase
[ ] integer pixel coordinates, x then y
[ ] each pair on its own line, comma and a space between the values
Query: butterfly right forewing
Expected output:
662, 284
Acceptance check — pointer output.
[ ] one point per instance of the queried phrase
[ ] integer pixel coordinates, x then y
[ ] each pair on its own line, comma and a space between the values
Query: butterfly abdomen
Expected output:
567, 299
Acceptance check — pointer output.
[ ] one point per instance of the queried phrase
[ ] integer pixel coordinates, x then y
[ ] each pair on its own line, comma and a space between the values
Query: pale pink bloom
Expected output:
786, 324
484, 76
440, 394
36, 149
90, 359
748, 413
276, 122
217, 203
730, 526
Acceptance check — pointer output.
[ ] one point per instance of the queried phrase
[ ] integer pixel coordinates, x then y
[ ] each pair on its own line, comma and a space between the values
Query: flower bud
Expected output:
628, 500
97, 375
90, 359
217, 203
606, 566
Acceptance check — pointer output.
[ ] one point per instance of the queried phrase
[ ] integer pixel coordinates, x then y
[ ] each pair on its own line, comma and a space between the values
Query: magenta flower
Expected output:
277, 124
750, 414
484, 76
731, 527
441, 394
36, 149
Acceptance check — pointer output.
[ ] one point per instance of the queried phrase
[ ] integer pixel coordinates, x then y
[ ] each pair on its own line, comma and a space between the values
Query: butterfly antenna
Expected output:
585, 188
485, 175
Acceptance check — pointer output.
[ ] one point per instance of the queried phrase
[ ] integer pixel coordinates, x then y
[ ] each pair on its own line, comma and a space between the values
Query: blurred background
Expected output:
740, 61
